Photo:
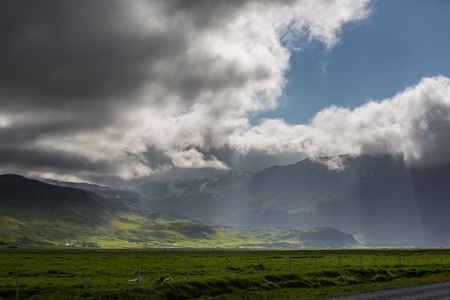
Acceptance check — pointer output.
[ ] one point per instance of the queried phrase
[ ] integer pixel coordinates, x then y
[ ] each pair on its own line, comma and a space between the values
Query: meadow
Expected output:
49, 272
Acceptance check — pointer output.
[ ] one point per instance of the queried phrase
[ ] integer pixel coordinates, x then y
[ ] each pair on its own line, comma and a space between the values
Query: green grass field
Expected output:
58, 273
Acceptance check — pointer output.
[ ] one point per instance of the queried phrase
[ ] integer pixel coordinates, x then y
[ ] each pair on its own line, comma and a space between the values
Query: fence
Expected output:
199, 266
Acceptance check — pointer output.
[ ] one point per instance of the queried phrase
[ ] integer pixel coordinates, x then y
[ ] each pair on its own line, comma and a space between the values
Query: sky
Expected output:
116, 92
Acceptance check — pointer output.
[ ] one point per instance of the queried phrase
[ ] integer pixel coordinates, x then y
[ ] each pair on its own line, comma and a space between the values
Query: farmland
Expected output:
58, 272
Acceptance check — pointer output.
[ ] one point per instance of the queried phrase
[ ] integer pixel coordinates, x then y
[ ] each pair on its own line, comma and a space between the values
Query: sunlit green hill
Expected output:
32, 211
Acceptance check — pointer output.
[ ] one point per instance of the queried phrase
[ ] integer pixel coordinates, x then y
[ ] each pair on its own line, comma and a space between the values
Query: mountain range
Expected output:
54, 212
316, 202
377, 198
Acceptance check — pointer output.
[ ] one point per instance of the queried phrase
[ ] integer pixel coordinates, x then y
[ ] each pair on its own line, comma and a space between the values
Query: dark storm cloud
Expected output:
57, 52
71, 54
50, 160
206, 13
27, 134
61, 51
251, 161
156, 158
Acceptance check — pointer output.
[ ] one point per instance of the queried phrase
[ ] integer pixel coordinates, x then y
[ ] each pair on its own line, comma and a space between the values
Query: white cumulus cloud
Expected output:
414, 123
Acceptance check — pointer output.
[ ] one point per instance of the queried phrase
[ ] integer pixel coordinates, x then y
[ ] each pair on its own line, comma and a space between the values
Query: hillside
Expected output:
20, 196
32, 211
377, 198
36, 212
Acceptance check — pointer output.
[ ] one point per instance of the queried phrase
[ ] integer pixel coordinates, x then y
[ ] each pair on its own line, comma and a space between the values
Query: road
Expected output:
432, 291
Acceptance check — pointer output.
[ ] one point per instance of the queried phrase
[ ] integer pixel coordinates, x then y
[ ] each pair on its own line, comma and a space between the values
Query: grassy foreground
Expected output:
58, 273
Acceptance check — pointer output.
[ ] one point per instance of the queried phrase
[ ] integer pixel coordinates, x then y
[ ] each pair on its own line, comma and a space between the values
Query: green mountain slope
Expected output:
35, 212
26, 199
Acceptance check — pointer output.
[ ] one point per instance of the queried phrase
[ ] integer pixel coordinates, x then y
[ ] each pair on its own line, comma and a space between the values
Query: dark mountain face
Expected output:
68, 202
97, 189
21, 197
378, 198
34, 211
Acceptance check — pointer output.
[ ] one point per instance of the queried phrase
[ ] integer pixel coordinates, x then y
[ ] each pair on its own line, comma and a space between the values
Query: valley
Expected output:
341, 201
35, 212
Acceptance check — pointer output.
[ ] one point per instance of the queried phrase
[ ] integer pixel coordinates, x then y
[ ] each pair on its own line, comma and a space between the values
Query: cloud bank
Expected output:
415, 123
105, 90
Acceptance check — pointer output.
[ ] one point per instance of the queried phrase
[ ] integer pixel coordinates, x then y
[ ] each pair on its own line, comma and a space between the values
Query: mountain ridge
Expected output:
376, 197
36, 212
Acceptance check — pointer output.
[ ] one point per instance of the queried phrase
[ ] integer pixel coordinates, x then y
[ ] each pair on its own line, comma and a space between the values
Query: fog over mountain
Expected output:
114, 93
377, 198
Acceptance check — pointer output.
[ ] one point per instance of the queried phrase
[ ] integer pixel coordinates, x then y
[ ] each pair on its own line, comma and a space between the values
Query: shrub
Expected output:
281, 277
331, 274
326, 282
381, 278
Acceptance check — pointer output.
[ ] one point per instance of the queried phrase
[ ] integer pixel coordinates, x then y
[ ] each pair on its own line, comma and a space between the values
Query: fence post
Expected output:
188, 270
258, 264
226, 266
85, 281
17, 289
139, 275
290, 264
